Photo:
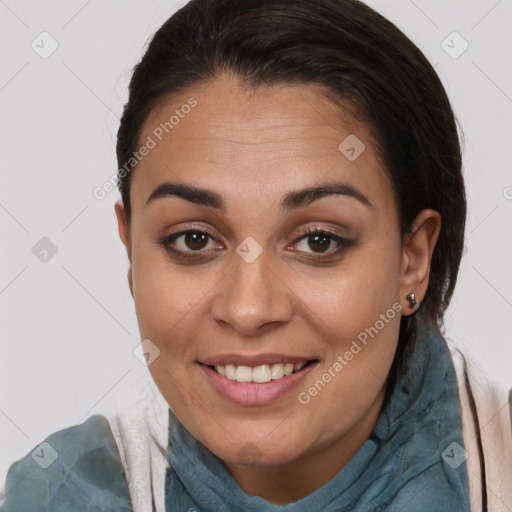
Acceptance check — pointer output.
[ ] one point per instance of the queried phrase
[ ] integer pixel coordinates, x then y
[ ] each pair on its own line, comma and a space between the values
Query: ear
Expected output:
124, 235
417, 249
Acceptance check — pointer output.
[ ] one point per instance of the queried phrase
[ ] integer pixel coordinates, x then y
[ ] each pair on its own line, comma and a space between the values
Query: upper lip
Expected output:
253, 360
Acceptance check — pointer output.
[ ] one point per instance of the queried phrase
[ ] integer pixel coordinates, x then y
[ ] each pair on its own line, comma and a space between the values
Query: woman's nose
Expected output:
253, 295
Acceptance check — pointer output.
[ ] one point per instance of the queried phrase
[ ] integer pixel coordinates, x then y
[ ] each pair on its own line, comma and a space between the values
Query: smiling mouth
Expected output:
260, 374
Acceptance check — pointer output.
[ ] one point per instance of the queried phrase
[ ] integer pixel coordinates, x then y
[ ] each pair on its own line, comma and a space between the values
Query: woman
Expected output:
293, 211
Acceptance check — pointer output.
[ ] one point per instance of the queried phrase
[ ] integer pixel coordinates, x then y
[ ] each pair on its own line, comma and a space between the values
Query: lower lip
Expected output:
253, 393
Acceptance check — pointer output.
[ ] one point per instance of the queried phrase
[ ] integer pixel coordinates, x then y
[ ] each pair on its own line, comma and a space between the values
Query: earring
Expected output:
412, 300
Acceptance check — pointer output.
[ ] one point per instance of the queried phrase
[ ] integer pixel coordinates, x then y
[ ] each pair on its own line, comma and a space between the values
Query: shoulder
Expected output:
77, 469
486, 418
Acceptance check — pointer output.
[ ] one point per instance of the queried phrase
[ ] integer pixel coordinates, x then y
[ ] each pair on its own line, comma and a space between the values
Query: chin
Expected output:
258, 450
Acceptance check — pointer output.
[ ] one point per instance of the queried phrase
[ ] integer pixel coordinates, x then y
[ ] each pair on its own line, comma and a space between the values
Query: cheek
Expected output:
356, 312
351, 298
167, 297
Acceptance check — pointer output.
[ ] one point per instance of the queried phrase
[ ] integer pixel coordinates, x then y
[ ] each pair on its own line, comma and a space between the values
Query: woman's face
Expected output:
248, 289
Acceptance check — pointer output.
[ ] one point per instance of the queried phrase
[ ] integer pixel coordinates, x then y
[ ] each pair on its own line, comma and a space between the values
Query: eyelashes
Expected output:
195, 237
196, 245
320, 236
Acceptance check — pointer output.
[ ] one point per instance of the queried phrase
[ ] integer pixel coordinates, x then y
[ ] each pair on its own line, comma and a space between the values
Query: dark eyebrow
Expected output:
292, 200
190, 193
304, 197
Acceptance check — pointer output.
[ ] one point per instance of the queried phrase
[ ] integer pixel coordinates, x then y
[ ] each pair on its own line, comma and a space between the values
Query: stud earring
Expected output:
412, 300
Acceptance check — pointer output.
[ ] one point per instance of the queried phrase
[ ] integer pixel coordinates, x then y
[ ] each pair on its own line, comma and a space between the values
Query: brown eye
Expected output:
196, 240
190, 243
319, 243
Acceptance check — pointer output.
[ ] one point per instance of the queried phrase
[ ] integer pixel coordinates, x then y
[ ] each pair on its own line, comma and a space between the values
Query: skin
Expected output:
253, 147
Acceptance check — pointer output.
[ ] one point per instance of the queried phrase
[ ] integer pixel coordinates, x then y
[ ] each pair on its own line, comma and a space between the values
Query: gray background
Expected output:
68, 326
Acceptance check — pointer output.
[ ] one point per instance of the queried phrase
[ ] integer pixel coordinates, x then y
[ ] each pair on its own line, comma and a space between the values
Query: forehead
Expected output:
222, 136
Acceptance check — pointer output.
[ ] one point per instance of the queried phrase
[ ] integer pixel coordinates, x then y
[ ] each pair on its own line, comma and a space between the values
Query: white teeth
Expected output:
243, 374
231, 371
277, 371
260, 374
